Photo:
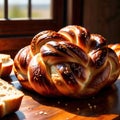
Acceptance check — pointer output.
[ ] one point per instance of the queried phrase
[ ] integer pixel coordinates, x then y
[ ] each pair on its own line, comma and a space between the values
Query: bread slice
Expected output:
10, 98
6, 64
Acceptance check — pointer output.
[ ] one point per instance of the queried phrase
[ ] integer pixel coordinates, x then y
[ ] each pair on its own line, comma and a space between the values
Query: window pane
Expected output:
1, 9
17, 8
41, 9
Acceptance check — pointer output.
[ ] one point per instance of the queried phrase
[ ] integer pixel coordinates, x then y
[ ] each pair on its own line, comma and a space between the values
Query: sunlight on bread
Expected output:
6, 64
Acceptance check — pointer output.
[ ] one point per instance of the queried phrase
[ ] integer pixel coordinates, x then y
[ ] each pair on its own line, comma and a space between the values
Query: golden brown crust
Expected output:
44, 37
20, 67
70, 62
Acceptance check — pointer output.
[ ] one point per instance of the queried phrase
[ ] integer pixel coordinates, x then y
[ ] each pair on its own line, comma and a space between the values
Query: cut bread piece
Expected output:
10, 98
7, 64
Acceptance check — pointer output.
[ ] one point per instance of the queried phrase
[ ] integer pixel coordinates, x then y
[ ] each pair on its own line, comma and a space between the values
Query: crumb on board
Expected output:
41, 113
92, 106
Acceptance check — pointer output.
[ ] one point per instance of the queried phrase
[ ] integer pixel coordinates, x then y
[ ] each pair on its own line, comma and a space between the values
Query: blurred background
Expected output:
20, 20
19, 9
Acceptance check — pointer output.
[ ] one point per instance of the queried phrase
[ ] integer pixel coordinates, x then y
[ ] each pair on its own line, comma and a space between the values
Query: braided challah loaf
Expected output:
71, 62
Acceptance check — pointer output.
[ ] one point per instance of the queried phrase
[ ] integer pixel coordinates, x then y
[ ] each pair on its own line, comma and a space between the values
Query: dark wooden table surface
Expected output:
104, 106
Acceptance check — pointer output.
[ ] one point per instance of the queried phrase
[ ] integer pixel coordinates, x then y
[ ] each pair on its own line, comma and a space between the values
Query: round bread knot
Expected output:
71, 62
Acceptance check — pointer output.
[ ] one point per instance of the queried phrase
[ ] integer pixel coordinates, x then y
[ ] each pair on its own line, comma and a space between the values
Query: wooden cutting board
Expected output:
103, 106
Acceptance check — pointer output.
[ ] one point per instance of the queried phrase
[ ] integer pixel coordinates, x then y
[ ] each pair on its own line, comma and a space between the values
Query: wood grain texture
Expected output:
103, 106
103, 17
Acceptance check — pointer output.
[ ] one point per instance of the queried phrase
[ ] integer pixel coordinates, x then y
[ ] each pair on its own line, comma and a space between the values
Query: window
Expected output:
31, 23
25, 9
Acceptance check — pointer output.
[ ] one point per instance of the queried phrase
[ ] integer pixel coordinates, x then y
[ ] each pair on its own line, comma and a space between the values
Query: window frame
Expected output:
23, 27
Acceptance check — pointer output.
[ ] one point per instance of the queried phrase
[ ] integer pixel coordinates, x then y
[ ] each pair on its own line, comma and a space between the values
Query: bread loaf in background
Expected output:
71, 62
10, 98
6, 64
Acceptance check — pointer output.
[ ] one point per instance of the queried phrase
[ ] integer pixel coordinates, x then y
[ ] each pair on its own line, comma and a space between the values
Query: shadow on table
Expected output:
105, 102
